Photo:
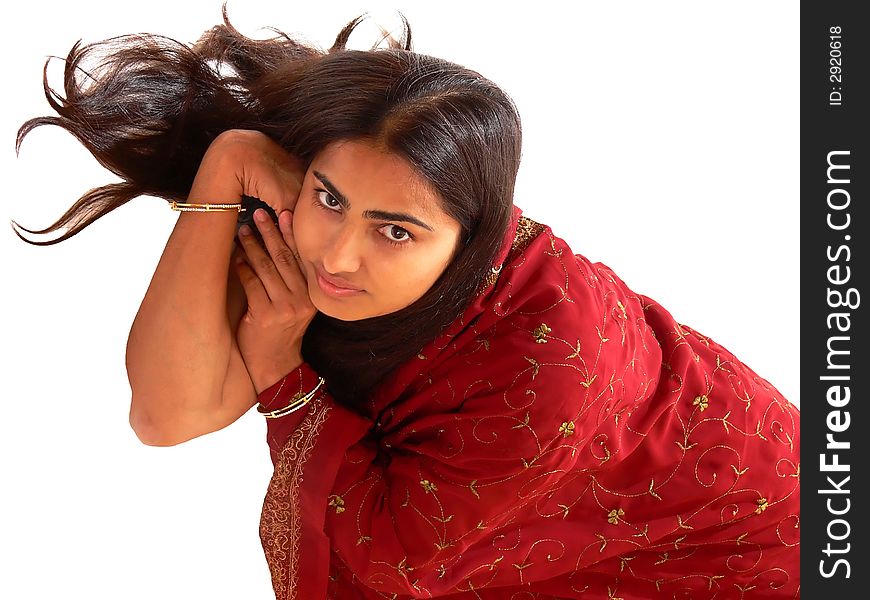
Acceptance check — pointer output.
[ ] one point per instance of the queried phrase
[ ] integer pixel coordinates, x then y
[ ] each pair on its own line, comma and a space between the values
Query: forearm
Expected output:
179, 344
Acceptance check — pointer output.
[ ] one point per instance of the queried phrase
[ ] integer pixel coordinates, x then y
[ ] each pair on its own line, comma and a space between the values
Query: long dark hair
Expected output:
150, 109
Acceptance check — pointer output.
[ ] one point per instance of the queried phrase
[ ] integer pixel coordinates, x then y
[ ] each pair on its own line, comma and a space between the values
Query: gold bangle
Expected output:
190, 207
298, 401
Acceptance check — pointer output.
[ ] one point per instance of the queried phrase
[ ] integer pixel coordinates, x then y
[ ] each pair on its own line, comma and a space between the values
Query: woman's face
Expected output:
370, 233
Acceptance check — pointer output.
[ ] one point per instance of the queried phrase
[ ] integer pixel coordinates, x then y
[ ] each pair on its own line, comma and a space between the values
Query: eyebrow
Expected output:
369, 214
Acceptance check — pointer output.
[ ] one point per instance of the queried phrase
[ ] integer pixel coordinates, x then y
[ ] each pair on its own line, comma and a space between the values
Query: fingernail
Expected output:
261, 215
244, 230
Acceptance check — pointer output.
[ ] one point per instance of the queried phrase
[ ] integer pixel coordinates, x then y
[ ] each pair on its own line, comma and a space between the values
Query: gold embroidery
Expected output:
739, 472
701, 401
644, 534
524, 423
473, 490
522, 430
652, 491
576, 352
712, 579
403, 568
743, 589
622, 308
540, 333
614, 515
536, 366
681, 524
607, 454
446, 519
489, 280
428, 486
527, 230
687, 446
280, 520
442, 545
337, 502
725, 421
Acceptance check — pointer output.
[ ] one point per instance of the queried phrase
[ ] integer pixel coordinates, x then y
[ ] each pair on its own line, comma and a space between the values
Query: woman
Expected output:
480, 413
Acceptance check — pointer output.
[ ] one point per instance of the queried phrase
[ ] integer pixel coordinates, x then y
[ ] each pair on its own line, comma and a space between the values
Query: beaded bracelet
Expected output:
191, 207
299, 400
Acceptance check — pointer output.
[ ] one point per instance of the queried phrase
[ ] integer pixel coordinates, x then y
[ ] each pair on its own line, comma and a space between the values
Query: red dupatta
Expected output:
564, 438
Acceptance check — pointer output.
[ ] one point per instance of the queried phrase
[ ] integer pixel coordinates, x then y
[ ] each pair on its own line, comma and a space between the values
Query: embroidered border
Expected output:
527, 230
280, 522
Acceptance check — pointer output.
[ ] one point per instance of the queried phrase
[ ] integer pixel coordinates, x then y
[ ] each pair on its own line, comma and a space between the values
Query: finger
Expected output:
284, 256
254, 290
262, 264
285, 224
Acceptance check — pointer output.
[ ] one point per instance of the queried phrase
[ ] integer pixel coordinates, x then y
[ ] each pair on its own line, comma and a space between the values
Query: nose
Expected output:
342, 252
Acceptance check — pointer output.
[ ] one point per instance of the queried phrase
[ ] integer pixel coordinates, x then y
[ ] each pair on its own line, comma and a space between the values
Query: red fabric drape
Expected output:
565, 438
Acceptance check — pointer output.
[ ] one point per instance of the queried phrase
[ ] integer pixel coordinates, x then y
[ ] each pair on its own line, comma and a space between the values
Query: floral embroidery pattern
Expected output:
428, 486
337, 503
614, 515
540, 333
571, 433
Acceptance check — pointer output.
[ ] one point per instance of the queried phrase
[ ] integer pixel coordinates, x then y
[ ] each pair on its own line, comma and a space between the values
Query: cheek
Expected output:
414, 276
302, 232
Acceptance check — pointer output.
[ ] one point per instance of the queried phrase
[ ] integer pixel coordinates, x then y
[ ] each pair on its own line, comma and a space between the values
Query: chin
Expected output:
328, 307
338, 315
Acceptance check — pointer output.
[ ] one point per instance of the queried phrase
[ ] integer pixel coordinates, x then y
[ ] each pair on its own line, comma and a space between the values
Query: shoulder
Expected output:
543, 277
560, 324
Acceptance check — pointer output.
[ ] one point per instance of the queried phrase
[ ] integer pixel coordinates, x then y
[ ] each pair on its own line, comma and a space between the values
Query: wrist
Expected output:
266, 376
217, 179
300, 380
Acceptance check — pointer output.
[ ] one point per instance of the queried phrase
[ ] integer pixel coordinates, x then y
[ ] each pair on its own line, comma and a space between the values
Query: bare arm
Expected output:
186, 372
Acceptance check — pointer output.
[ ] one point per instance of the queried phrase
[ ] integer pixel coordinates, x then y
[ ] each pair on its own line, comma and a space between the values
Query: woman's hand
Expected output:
279, 308
187, 373
250, 163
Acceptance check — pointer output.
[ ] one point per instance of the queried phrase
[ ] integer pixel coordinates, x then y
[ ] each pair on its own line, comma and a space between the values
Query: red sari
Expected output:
564, 438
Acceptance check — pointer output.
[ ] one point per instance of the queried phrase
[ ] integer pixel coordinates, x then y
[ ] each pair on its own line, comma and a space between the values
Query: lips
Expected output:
337, 282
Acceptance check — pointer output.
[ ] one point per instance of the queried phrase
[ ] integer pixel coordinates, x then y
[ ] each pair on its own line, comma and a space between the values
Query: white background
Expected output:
661, 138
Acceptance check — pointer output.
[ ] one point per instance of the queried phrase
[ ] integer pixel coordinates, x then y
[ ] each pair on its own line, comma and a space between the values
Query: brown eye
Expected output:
396, 235
399, 233
327, 200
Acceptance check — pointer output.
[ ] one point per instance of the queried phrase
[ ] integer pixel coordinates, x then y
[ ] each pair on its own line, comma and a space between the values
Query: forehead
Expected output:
372, 177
